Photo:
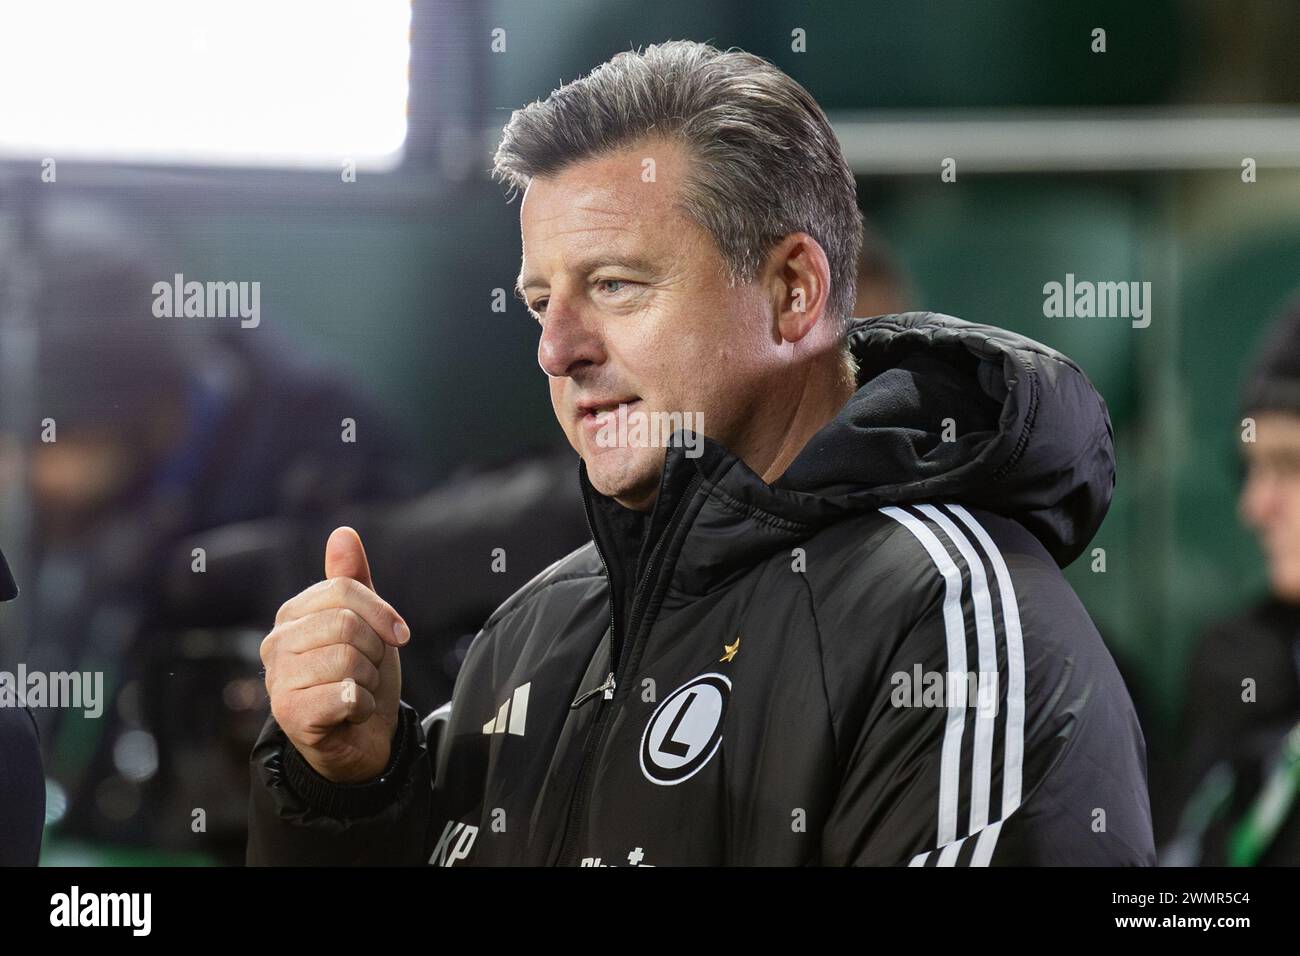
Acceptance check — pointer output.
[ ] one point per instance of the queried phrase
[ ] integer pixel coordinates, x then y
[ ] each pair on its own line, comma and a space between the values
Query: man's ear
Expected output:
799, 277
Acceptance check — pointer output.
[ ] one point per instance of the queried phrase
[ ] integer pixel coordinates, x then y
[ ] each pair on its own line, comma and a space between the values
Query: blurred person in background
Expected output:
884, 287
1236, 785
148, 429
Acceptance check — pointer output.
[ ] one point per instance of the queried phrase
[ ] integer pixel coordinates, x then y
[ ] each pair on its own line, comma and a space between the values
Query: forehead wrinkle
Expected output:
618, 254
620, 214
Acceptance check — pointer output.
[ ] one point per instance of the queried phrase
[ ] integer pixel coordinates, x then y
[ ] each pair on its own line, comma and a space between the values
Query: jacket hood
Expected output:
945, 410
952, 410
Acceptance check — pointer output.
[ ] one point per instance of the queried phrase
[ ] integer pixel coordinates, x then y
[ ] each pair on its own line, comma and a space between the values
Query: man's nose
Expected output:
568, 339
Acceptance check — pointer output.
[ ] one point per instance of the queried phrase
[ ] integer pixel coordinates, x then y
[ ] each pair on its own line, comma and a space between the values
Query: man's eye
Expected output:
605, 283
538, 308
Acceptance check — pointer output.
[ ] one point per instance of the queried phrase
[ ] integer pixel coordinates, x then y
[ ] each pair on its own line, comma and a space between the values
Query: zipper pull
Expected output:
607, 688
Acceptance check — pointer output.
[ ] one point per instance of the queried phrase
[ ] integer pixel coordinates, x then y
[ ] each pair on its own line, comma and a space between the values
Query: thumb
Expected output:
346, 558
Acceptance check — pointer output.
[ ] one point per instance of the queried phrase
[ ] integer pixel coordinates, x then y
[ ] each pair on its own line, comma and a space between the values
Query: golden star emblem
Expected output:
730, 650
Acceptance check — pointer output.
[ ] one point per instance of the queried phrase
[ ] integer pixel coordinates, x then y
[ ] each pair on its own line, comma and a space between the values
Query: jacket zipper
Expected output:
596, 735
607, 688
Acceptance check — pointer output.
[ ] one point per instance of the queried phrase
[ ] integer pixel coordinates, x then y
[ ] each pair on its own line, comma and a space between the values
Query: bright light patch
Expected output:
308, 83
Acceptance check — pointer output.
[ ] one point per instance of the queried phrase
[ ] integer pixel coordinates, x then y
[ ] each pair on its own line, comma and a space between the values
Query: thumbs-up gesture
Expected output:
332, 669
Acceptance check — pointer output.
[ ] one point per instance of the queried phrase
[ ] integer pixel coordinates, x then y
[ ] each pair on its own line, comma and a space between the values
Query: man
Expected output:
22, 777
1241, 765
748, 663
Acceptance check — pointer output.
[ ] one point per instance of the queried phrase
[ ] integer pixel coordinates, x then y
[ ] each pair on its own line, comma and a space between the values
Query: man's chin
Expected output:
629, 476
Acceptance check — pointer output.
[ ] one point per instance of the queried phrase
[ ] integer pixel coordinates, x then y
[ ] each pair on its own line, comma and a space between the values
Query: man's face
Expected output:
80, 476
1270, 500
635, 307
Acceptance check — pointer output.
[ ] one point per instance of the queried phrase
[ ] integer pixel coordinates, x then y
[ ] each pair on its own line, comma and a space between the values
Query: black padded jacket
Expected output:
873, 660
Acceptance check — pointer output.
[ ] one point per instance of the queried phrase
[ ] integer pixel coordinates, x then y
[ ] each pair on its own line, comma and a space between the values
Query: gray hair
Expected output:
765, 160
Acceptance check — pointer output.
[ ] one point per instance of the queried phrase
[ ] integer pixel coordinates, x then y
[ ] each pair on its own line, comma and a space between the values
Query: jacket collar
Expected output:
712, 520
1033, 441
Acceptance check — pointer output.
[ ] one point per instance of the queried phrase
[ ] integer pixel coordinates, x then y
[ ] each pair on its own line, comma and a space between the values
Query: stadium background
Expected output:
393, 277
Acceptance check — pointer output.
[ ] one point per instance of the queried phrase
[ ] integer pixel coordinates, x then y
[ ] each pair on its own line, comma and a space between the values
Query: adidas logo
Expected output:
512, 715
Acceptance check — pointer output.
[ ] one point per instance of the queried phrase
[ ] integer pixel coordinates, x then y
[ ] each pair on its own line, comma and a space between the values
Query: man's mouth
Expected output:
591, 411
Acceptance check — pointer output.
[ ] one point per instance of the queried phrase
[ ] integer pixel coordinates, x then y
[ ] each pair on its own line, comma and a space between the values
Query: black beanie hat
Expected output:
1274, 382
